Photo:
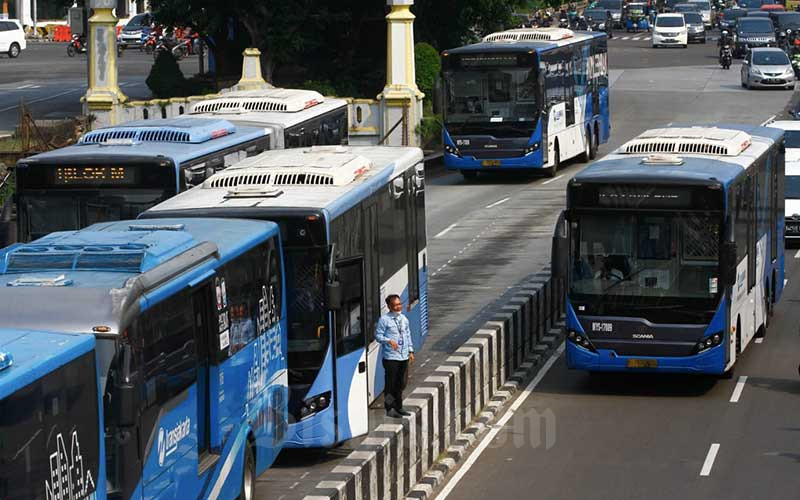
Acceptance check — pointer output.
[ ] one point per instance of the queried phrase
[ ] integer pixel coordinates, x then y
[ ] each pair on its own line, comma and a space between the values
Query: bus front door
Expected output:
351, 353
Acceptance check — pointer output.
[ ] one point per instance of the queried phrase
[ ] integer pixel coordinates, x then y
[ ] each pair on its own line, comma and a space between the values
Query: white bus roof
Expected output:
280, 107
785, 124
332, 178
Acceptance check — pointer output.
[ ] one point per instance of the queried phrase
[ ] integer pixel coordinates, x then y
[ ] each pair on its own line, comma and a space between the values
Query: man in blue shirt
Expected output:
394, 335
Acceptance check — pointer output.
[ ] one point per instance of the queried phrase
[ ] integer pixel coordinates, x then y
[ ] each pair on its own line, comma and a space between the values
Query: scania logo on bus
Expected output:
168, 440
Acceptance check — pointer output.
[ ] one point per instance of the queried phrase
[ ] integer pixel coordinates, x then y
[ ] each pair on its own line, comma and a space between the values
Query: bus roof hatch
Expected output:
192, 130
689, 140
530, 35
267, 100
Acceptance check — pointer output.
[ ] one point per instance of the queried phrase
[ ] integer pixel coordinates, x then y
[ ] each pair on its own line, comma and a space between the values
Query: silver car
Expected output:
767, 67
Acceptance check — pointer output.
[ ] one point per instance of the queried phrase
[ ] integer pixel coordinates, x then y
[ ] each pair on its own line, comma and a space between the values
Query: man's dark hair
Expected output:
390, 298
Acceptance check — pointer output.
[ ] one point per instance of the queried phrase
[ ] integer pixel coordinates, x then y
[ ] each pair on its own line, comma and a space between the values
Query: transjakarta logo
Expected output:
168, 440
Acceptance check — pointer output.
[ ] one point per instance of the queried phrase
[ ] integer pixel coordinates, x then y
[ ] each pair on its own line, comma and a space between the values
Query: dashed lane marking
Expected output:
552, 180
709, 463
499, 202
446, 230
737, 391
760, 340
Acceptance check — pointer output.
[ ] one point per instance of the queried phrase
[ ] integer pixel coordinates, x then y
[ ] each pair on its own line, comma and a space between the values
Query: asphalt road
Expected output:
51, 83
486, 236
624, 436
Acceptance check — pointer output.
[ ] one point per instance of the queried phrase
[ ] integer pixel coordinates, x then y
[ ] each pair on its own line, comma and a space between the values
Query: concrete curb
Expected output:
454, 405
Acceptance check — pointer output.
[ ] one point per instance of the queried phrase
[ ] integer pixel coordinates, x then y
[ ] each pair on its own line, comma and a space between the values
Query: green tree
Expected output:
428, 65
451, 23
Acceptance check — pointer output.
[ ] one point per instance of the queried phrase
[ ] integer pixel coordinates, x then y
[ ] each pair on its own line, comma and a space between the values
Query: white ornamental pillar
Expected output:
251, 72
103, 97
24, 9
401, 99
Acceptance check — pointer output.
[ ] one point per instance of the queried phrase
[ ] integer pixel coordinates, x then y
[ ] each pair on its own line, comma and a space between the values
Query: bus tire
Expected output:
551, 171
248, 474
595, 143
587, 149
469, 174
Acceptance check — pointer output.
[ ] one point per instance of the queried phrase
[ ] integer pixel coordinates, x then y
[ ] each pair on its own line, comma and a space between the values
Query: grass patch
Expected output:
10, 144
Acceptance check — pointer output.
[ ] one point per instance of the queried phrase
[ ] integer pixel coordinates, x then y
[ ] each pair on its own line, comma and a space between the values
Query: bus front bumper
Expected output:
465, 162
711, 361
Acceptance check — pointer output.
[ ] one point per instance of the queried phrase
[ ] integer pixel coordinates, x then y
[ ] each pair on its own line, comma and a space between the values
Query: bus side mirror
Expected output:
333, 295
437, 96
126, 400
728, 264
559, 253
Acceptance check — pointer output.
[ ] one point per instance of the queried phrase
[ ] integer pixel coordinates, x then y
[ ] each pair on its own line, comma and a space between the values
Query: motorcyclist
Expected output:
609, 24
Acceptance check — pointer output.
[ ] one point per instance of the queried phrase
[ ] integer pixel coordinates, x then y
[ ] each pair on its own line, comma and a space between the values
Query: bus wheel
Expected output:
587, 148
469, 174
595, 144
248, 475
551, 171
762, 332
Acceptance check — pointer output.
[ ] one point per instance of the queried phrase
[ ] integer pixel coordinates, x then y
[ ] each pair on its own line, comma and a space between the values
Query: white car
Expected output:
670, 30
12, 37
705, 12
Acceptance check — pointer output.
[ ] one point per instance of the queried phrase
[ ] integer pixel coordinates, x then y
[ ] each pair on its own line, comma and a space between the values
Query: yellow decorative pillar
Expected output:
251, 72
103, 96
401, 100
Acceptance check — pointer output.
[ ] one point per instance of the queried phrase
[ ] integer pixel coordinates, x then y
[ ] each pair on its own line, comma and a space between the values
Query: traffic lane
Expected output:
759, 451
640, 54
49, 62
629, 436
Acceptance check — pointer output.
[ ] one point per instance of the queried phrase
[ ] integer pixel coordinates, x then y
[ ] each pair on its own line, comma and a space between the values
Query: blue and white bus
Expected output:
675, 253
525, 99
189, 360
352, 223
118, 172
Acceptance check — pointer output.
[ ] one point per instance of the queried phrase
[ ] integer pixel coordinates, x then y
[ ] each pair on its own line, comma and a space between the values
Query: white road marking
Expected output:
737, 391
712, 454
760, 340
626, 38
500, 202
786, 280
42, 99
768, 120
21, 87
446, 230
470, 461
797, 255
552, 180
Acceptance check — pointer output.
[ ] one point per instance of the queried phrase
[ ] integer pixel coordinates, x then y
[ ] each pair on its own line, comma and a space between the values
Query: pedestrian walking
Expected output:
394, 335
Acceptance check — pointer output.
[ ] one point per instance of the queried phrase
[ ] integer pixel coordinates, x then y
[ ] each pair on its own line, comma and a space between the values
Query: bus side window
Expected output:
168, 349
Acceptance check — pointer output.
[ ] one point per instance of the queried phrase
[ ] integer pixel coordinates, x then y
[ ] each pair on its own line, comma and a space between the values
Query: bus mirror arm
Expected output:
126, 399
728, 264
333, 291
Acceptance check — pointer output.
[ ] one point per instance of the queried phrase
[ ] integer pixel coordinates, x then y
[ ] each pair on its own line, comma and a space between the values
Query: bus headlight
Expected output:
315, 404
581, 340
452, 150
708, 342
533, 147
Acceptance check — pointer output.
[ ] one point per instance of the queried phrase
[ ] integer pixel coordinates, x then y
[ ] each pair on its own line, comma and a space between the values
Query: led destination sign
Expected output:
94, 176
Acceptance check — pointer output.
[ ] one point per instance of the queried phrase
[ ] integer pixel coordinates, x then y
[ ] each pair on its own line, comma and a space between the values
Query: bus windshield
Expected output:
665, 264
501, 97
42, 213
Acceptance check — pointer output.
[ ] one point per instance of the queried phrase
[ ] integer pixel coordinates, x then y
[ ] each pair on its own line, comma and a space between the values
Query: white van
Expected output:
12, 38
670, 30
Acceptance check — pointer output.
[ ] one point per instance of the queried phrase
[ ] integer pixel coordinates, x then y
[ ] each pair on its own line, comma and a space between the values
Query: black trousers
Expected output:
395, 379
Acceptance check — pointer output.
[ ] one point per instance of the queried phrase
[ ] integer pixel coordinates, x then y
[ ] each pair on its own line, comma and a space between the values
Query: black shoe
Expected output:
404, 412
393, 414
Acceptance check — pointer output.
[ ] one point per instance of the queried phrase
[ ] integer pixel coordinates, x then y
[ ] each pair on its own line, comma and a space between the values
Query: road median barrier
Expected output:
453, 406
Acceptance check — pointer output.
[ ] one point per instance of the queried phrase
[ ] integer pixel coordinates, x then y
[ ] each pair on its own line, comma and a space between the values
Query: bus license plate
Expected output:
642, 363
490, 163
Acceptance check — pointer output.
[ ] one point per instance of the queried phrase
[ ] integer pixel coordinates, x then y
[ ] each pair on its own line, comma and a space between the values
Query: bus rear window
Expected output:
49, 435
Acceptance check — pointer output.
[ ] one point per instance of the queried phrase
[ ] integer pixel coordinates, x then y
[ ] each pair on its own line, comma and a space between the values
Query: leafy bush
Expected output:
430, 132
324, 87
166, 79
428, 65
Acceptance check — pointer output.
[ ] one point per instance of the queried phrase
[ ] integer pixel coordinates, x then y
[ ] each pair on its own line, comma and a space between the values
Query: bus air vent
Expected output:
709, 141
269, 100
530, 35
292, 167
192, 130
